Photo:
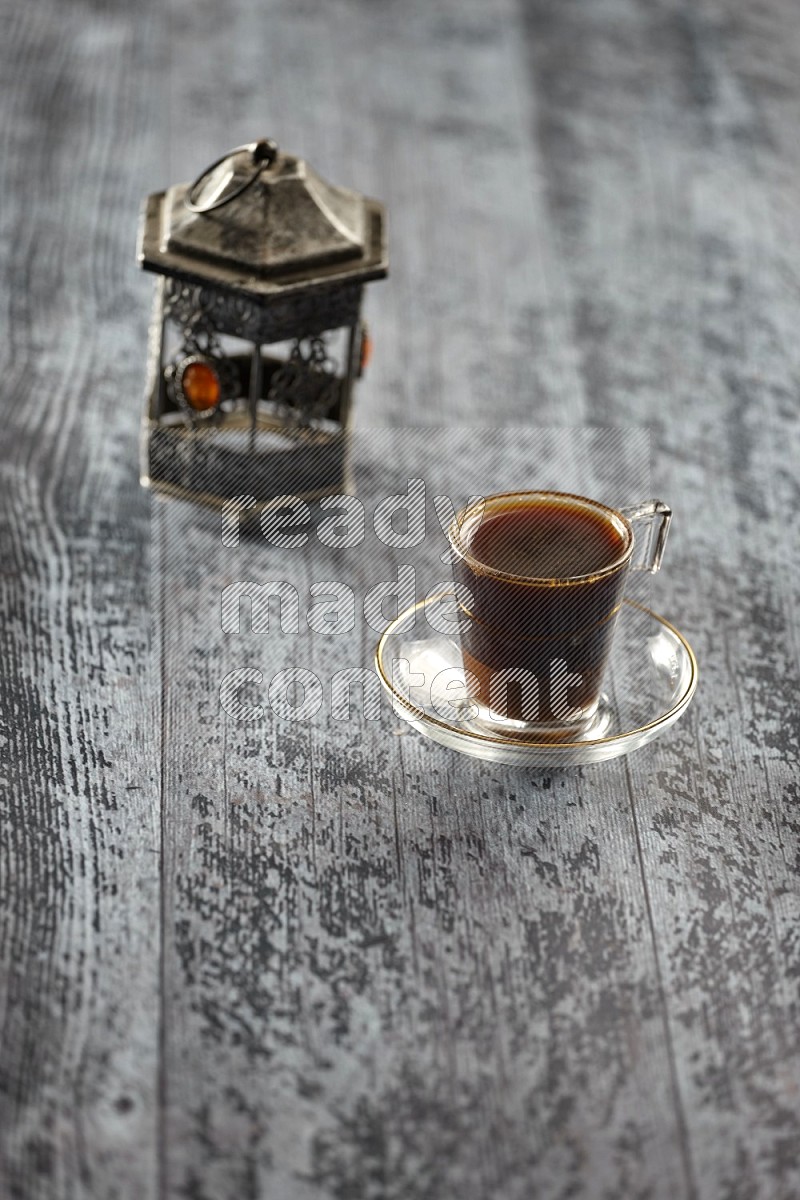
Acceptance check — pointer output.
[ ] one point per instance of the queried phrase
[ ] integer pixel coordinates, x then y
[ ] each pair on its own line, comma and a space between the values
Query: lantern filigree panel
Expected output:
312, 312
301, 381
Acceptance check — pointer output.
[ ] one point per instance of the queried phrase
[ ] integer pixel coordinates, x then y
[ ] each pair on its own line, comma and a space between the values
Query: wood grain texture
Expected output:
79, 872
414, 939
332, 960
702, 301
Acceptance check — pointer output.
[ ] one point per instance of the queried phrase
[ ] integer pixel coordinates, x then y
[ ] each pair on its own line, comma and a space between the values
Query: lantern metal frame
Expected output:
219, 281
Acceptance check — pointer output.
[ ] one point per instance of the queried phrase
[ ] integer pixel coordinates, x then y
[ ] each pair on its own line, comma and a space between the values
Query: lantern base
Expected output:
240, 453
213, 465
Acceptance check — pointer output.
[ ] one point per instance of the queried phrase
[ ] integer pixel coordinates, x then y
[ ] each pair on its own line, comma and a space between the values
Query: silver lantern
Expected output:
256, 337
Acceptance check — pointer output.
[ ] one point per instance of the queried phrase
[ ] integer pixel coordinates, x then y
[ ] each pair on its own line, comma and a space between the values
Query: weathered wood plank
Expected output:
681, 303
79, 833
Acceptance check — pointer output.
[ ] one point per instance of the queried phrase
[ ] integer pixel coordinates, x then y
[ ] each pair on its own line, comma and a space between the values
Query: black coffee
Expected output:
546, 575
546, 540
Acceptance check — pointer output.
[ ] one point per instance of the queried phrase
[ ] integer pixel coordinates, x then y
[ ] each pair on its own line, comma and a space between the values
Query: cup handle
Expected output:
656, 516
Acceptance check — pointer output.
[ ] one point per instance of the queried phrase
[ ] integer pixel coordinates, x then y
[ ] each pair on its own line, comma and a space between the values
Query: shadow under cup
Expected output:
539, 578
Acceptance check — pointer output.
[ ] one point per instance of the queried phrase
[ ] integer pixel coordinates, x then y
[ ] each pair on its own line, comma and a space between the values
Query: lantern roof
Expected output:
263, 222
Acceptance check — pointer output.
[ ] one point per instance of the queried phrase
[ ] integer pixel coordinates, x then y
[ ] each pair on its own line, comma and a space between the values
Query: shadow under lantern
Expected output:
256, 338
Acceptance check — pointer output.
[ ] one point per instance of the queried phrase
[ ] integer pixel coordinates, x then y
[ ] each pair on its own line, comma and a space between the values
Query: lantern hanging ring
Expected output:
263, 154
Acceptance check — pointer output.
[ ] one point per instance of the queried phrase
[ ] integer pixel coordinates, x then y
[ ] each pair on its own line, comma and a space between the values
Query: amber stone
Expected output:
200, 386
366, 351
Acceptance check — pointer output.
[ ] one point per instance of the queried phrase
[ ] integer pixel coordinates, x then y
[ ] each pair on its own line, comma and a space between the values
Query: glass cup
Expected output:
539, 579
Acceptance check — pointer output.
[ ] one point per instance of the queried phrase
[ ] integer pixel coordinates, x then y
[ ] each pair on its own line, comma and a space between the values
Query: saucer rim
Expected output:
665, 719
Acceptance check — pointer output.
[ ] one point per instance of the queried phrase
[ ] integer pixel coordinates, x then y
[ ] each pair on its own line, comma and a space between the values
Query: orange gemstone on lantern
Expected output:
200, 386
366, 350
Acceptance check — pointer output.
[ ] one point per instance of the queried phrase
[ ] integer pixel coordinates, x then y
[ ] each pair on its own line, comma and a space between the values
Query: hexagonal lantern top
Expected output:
256, 337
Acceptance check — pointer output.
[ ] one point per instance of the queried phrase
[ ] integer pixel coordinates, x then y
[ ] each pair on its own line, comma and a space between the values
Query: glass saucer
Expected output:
649, 682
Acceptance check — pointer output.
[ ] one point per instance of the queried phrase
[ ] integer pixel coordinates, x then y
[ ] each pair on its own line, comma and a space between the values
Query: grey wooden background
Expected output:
341, 962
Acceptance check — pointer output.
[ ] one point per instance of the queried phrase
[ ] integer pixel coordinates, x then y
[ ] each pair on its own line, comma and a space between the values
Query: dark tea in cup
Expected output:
540, 578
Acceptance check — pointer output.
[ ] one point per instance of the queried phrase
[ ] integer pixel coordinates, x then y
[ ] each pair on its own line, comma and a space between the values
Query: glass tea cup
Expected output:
539, 579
